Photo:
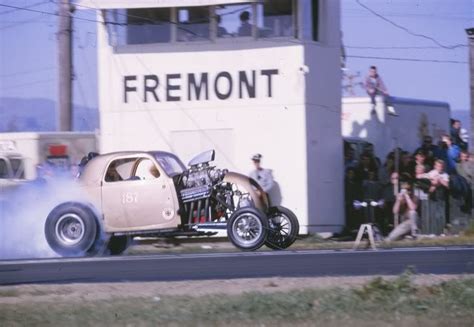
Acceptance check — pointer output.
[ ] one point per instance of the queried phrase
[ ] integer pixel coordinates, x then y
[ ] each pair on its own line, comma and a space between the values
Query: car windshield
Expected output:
170, 163
17, 167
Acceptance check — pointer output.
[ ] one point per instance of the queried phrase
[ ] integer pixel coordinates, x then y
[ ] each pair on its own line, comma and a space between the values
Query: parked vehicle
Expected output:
153, 194
403, 123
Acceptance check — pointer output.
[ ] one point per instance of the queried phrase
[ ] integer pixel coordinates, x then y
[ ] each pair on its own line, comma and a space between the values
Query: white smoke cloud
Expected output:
23, 213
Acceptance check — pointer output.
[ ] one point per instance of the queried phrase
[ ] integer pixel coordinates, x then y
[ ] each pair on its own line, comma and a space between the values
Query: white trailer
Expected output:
32, 149
413, 120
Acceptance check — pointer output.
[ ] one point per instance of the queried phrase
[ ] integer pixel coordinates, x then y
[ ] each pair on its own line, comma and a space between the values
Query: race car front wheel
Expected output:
247, 228
71, 229
284, 228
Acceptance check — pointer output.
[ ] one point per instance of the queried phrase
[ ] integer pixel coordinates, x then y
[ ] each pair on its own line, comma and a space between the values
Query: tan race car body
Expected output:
144, 204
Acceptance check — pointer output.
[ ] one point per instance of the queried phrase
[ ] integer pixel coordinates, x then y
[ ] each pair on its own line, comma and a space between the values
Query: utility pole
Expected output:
65, 66
470, 36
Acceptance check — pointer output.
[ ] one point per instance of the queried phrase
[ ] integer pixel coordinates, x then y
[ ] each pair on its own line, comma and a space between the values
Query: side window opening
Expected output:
18, 168
193, 24
120, 170
3, 169
275, 19
146, 170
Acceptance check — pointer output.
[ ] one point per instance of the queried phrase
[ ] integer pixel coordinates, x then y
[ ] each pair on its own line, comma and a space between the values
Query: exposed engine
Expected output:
204, 195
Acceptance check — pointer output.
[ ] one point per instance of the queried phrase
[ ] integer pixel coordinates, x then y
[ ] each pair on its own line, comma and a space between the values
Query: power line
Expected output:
24, 22
408, 31
410, 59
55, 14
29, 6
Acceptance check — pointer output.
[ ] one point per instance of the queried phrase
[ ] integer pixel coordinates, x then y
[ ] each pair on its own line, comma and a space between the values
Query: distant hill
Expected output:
39, 115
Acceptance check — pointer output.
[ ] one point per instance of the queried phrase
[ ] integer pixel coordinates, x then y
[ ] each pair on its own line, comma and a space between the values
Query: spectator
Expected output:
422, 184
371, 187
452, 152
429, 149
456, 134
353, 192
349, 157
374, 86
386, 218
420, 163
387, 169
264, 177
465, 169
406, 164
245, 28
369, 150
437, 176
420, 171
406, 204
365, 165
438, 198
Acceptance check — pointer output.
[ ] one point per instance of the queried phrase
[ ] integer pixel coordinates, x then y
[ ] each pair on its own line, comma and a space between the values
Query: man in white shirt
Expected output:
437, 176
264, 177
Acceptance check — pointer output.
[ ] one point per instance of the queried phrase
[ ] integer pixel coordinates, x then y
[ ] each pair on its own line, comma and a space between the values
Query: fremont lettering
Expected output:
200, 86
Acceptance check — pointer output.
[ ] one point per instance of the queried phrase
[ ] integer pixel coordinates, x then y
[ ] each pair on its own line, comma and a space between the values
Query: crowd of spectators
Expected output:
436, 171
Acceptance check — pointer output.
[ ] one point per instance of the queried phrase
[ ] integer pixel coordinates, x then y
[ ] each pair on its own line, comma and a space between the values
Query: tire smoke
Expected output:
23, 212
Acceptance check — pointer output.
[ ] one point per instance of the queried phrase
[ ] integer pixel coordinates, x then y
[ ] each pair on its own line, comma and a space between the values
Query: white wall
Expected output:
323, 124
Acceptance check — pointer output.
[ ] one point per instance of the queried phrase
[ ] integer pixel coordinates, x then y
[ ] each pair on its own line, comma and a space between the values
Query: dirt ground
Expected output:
104, 291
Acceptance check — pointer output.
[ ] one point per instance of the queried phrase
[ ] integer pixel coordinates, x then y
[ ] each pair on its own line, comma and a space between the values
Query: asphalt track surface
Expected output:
178, 267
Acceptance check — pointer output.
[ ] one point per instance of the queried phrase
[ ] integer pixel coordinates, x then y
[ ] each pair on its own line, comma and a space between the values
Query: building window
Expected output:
265, 19
234, 20
275, 19
149, 25
193, 24
315, 11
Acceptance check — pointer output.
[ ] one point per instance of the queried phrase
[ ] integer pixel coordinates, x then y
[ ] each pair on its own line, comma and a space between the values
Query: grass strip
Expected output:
379, 302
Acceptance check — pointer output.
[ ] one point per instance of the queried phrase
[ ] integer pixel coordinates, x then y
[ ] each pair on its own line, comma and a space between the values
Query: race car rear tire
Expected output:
247, 228
71, 229
118, 244
284, 228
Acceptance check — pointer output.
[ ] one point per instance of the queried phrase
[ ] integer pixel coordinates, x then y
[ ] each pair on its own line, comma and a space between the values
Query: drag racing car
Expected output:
154, 194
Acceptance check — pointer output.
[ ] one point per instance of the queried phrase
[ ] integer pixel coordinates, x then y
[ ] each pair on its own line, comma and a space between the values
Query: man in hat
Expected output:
263, 176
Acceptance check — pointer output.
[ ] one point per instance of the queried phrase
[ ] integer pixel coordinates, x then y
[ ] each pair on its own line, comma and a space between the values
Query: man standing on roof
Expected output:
264, 177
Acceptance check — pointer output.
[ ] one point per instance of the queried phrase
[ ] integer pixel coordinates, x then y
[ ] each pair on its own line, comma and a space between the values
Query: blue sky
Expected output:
28, 49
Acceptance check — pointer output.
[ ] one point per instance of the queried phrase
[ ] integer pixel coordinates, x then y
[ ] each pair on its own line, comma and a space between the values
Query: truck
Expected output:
401, 122
21, 154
